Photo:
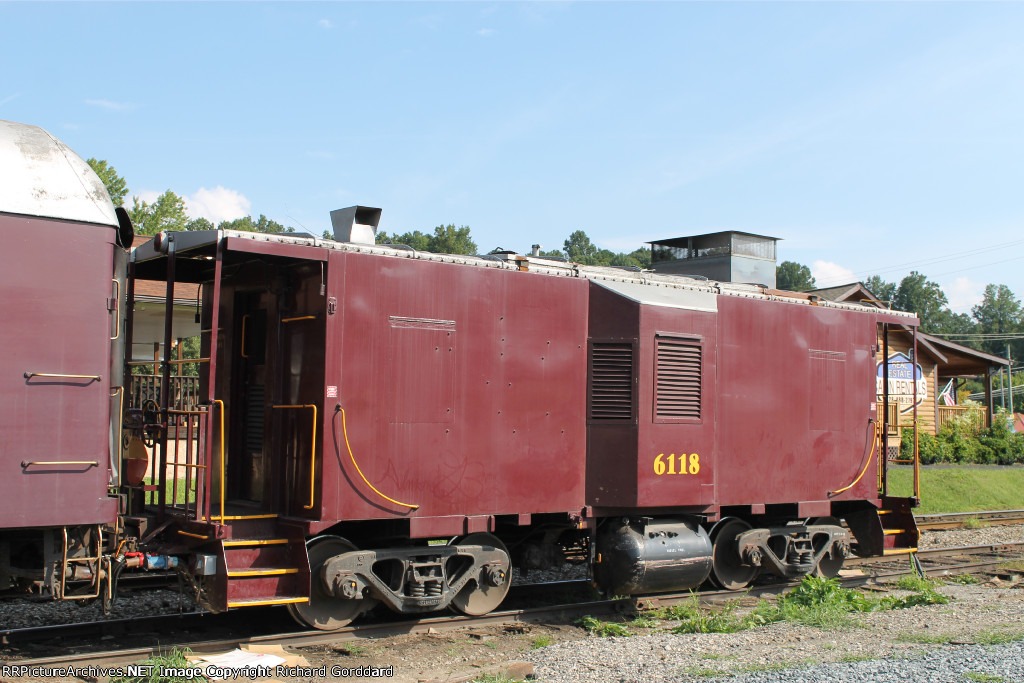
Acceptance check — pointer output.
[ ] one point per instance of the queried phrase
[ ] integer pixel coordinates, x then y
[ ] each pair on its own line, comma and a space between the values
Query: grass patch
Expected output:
915, 583
962, 579
995, 636
164, 660
602, 629
541, 641
982, 678
961, 489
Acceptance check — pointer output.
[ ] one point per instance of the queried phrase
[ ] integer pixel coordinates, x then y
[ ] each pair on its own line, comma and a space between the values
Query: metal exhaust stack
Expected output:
356, 224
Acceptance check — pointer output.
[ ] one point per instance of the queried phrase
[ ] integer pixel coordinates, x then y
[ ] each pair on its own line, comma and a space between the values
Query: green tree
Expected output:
415, 239
447, 239
794, 277
199, 224
917, 294
999, 312
579, 249
167, 212
880, 288
116, 186
261, 224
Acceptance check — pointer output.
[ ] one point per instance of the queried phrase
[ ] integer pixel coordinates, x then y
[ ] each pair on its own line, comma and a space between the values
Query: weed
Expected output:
994, 637
602, 629
495, 678
352, 650
643, 621
926, 638
541, 641
962, 579
982, 678
914, 583
1012, 566
176, 659
926, 597
493, 644
972, 523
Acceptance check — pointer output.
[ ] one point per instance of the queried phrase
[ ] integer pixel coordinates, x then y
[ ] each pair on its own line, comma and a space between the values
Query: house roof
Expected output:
155, 291
855, 292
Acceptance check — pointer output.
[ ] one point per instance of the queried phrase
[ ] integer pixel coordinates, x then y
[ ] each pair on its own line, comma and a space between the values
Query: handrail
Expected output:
344, 431
871, 455
117, 309
244, 319
300, 317
217, 400
30, 375
29, 463
312, 455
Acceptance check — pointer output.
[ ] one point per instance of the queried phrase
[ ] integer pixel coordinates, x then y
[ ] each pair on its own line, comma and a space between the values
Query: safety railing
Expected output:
973, 417
183, 487
184, 391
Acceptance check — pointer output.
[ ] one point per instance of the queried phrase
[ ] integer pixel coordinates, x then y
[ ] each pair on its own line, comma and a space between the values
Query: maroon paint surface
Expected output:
55, 278
462, 390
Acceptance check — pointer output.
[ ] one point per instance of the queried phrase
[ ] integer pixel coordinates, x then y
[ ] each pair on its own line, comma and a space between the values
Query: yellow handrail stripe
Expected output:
256, 541
217, 400
344, 430
241, 573
871, 455
260, 603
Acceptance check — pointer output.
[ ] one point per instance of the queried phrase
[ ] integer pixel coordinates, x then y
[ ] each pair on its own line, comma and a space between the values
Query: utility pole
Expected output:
1009, 374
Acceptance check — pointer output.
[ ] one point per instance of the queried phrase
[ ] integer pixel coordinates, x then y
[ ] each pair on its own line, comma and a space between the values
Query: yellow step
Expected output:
268, 571
259, 602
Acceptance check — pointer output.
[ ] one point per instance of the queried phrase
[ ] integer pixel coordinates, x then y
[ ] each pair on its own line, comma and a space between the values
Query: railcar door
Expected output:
297, 410
248, 465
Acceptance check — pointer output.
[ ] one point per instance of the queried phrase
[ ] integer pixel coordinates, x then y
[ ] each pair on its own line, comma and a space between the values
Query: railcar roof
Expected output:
647, 287
41, 176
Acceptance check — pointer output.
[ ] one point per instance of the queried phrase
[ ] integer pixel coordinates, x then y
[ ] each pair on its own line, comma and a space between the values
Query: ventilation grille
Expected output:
677, 380
611, 381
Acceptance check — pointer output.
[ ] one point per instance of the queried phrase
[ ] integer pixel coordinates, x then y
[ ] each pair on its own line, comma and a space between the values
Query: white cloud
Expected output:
485, 32
112, 106
148, 196
216, 205
964, 294
10, 98
326, 23
828, 274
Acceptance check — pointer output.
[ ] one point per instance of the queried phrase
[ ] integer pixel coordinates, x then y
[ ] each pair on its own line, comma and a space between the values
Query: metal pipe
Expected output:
165, 376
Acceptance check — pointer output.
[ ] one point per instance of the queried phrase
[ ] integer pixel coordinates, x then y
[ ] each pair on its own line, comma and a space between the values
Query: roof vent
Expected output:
356, 224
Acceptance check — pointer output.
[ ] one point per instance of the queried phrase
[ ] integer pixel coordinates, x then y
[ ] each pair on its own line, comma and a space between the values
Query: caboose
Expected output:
380, 425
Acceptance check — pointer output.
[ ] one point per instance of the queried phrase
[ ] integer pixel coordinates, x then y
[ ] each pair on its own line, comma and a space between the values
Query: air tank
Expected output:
645, 555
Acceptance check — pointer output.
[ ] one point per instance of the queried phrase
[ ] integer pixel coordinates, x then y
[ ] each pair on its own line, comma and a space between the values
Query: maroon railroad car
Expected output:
377, 425
62, 279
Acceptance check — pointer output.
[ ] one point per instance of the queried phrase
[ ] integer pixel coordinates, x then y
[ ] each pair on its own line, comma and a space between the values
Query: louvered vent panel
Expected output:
678, 381
611, 382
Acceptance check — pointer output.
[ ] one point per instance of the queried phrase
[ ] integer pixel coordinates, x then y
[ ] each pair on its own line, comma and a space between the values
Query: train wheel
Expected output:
828, 567
484, 592
324, 611
727, 569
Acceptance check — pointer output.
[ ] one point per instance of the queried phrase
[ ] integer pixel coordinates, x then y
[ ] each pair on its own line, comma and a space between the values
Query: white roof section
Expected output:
669, 297
41, 176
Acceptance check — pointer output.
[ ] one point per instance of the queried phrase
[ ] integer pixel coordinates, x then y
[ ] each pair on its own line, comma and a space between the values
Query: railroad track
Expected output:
952, 520
960, 560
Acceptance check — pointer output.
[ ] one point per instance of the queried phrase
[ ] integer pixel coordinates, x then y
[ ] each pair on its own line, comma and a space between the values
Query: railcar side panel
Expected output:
794, 404
57, 321
459, 388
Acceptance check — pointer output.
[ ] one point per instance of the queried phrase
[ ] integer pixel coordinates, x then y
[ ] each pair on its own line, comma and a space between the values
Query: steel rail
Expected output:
558, 613
951, 520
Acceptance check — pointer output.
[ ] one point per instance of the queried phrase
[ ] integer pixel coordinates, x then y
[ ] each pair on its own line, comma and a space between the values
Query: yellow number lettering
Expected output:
659, 465
694, 463
672, 463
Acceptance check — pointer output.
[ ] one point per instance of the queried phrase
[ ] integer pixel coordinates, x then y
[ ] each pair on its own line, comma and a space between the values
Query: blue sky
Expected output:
871, 137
